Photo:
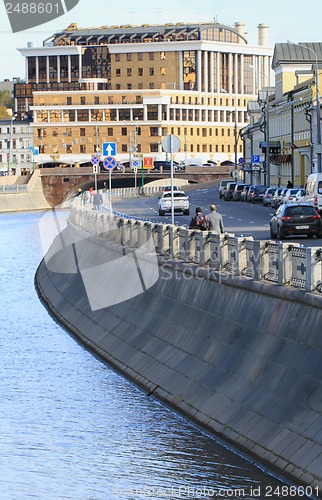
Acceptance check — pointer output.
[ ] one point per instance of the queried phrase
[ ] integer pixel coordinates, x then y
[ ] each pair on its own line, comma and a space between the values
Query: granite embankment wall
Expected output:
31, 197
242, 358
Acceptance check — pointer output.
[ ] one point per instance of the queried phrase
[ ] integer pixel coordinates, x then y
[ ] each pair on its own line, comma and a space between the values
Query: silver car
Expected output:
268, 195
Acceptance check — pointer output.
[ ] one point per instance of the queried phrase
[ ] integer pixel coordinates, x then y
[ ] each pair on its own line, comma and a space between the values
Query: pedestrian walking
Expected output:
199, 221
289, 184
98, 202
215, 220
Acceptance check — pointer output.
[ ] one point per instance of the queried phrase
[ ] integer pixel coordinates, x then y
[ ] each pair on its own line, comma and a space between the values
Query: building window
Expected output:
117, 57
82, 101
124, 131
96, 99
82, 148
151, 71
204, 132
68, 132
222, 148
162, 71
129, 57
68, 148
118, 72
154, 147
151, 56
82, 132
162, 56
110, 131
153, 131
151, 85
140, 56
117, 86
129, 86
204, 148
69, 101
124, 148
140, 71
129, 71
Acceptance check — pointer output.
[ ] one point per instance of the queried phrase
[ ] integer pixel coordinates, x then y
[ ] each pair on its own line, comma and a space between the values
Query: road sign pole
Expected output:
171, 173
110, 190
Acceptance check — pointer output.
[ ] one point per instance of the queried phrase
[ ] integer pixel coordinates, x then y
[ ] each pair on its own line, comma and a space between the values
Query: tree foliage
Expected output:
4, 113
6, 99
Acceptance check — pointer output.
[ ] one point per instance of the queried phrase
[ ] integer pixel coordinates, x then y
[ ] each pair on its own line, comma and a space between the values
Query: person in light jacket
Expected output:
215, 220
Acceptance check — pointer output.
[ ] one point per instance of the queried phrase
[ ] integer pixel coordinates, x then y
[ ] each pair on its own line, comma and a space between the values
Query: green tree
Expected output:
6, 99
4, 113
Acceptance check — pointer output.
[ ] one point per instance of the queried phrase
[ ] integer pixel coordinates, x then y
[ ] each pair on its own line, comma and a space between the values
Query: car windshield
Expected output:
300, 210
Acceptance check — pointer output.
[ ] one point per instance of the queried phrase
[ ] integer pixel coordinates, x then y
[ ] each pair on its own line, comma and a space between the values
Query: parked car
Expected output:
243, 194
222, 187
290, 219
180, 202
229, 191
275, 196
237, 191
299, 197
289, 195
268, 195
166, 166
280, 197
257, 194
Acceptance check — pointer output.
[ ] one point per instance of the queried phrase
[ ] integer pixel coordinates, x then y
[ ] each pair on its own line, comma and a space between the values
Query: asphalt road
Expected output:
243, 219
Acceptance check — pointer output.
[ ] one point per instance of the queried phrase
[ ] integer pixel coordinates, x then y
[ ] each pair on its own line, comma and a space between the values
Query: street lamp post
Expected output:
318, 148
267, 131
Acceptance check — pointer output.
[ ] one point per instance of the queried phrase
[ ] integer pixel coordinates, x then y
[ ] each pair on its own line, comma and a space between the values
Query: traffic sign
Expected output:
109, 149
95, 168
95, 160
109, 163
241, 160
256, 159
136, 164
171, 143
147, 162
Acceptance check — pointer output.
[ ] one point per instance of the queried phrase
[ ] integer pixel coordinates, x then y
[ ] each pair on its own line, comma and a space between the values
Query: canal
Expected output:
72, 428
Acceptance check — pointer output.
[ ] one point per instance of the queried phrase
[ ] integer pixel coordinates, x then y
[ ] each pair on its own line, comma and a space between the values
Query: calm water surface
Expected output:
71, 428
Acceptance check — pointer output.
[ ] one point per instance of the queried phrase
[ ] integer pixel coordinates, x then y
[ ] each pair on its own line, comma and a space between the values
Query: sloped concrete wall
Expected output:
241, 358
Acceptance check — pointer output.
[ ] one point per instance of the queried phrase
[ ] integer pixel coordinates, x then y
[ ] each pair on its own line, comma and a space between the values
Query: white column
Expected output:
212, 80
199, 73
242, 83
58, 69
230, 74
69, 68
236, 74
218, 72
205, 71
37, 69
160, 112
26, 69
47, 69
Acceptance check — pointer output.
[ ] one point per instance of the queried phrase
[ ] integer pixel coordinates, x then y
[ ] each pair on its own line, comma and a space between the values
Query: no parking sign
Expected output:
109, 162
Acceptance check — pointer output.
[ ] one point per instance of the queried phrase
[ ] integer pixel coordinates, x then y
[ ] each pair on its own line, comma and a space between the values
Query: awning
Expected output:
280, 159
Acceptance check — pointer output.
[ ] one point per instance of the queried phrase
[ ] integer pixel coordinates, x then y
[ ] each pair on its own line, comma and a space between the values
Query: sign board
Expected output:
109, 149
241, 160
256, 159
148, 162
136, 163
95, 168
95, 160
109, 163
171, 143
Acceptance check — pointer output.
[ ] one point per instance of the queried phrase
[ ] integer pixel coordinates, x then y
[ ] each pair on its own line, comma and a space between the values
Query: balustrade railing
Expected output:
274, 262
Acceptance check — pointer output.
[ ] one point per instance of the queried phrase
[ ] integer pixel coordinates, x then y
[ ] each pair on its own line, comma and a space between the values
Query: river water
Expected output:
71, 428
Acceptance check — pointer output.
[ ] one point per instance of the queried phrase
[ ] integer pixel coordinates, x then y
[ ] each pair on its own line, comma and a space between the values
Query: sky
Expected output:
287, 20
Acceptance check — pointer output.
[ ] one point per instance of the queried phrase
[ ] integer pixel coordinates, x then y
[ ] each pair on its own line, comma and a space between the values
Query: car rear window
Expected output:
300, 210
261, 190
176, 194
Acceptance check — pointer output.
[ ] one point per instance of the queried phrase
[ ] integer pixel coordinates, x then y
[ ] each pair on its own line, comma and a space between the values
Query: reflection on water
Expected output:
71, 428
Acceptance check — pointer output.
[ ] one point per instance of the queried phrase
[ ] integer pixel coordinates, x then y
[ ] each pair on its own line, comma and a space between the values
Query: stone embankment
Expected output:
240, 357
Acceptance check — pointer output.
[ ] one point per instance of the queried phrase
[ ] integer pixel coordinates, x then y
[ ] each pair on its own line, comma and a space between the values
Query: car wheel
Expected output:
161, 213
280, 234
272, 234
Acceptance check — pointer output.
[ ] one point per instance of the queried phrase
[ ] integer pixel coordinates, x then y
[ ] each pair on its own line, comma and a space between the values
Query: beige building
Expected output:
135, 85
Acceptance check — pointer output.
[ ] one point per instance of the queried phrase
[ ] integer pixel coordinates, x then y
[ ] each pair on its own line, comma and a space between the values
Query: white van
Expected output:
313, 190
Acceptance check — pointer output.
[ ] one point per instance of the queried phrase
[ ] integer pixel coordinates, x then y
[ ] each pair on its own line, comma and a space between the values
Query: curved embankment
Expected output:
241, 358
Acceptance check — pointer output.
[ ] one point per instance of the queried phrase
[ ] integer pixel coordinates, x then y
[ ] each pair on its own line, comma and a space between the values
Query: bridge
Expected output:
59, 184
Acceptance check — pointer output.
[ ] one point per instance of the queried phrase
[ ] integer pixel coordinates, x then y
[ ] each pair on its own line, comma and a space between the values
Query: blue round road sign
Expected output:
109, 162
95, 160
